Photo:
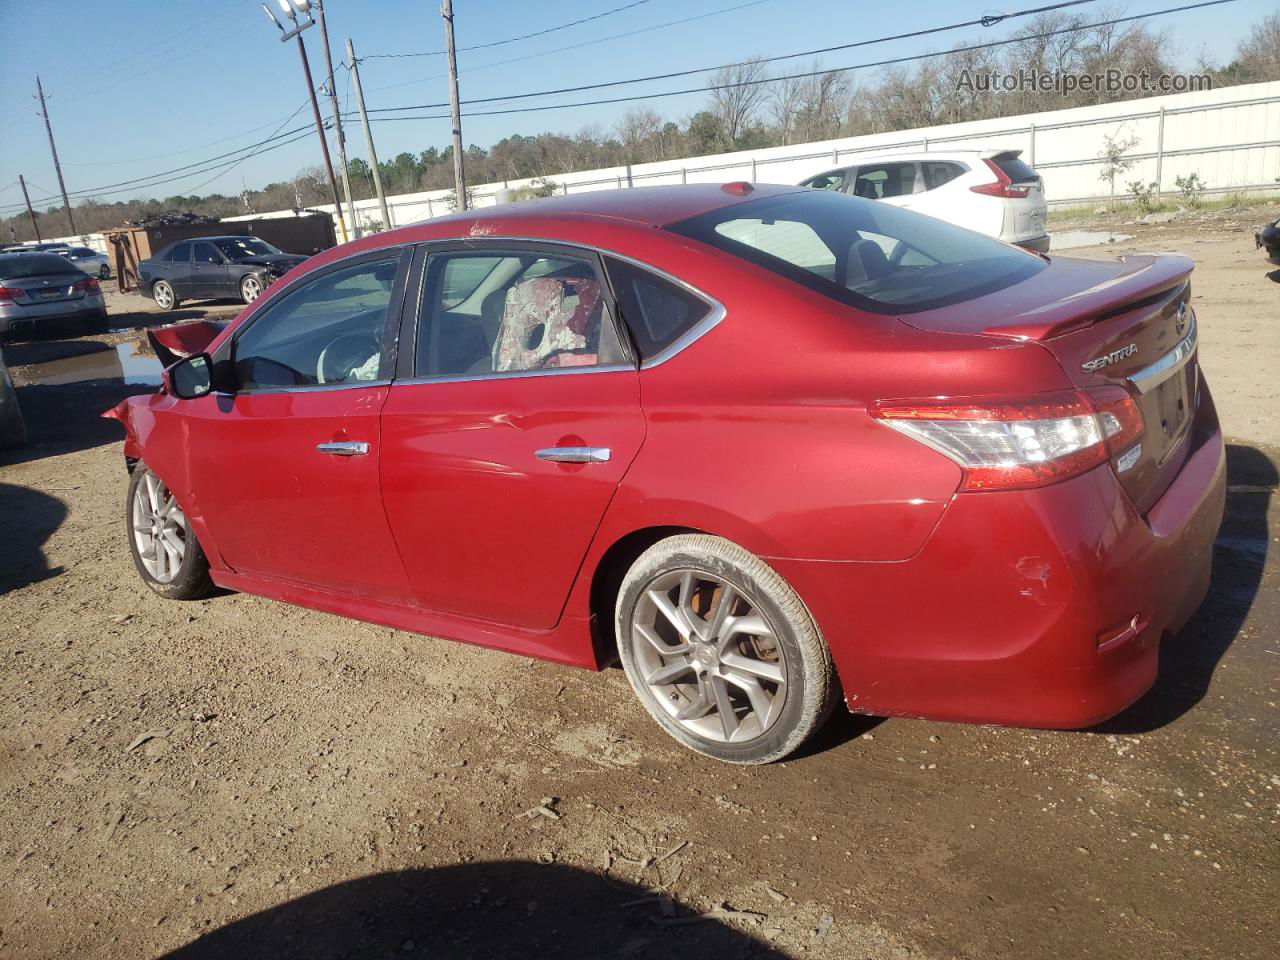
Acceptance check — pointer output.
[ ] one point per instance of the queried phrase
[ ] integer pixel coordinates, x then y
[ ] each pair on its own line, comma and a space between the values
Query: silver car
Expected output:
43, 293
89, 260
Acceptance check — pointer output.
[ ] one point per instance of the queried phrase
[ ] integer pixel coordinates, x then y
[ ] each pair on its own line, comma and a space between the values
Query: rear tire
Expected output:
703, 625
165, 550
104, 272
164, 296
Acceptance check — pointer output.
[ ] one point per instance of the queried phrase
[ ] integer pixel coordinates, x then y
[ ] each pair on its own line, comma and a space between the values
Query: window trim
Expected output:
224, 356
715, 312
406, 361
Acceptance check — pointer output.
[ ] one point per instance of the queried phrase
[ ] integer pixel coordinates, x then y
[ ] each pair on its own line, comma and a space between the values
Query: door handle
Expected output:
344, 448
574, 454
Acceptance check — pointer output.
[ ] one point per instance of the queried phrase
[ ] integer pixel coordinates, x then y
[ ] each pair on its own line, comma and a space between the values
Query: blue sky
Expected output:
137, 87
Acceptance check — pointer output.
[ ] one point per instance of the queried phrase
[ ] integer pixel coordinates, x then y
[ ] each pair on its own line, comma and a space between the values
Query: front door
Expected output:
285, 460
504, 446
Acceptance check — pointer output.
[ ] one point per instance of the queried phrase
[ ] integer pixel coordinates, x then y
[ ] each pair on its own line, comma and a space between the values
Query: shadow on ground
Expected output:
28, 518
1188, 660
478, 911
67, 418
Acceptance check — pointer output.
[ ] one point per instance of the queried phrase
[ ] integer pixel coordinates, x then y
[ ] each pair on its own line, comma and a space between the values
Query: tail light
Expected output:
88, 285
1009, 443
1003, 187
9, 293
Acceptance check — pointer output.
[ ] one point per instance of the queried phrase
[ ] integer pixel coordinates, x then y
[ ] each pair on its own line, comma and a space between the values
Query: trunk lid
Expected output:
1125, 322
48, 288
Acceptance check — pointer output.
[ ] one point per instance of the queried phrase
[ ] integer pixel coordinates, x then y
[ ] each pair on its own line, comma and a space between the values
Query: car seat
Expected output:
543, 327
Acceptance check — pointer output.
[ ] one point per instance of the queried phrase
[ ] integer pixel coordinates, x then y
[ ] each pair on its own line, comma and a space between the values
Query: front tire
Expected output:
165, 550
164, 296
104, 272
721, 650
250, 288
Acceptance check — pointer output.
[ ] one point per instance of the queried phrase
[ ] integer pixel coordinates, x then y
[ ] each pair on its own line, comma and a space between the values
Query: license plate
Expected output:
1173, 404
50, 294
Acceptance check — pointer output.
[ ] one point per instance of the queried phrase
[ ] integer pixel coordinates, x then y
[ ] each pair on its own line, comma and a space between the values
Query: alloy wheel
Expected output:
159, 529
163, 295
250, 288
710, 658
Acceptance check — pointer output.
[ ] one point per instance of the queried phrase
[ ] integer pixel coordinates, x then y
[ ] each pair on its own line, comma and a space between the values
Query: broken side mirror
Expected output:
191, 377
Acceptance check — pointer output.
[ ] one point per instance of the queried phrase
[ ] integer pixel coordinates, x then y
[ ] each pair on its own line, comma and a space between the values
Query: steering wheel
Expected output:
344, 356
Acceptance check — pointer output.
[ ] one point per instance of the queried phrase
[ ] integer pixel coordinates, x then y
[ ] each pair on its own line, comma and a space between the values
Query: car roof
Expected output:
640, 206
909, 156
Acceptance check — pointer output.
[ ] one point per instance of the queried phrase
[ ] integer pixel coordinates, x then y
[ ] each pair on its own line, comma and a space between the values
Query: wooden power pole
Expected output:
337, 120
459, 179
368, 135
53, 148
30, 213
324, 141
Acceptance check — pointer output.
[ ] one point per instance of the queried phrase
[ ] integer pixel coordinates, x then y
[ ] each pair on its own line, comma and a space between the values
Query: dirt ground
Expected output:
236, 777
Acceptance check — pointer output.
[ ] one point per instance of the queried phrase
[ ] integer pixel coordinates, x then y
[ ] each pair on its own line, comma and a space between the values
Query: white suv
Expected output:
990, 191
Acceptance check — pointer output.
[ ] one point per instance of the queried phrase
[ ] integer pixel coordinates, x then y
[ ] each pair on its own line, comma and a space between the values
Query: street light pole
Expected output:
368, 136
304, 7
459, 180
337, 121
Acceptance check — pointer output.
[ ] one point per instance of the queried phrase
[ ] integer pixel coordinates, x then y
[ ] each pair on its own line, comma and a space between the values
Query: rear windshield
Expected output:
16, 266
1014, 168
868, 254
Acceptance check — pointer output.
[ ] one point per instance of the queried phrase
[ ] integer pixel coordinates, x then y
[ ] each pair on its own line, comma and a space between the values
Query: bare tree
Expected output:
783, 101
737, 93
1258, 56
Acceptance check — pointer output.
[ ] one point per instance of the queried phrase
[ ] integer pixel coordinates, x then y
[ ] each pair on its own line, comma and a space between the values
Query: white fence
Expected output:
1230, 137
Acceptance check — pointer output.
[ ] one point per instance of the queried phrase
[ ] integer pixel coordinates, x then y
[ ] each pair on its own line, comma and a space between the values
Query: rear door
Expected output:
516, 414
176, 268
208, 270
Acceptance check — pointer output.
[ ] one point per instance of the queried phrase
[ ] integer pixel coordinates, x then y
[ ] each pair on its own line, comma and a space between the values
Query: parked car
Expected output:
13, 430
992, 191
209, 268
722, 435
1268, 238
42, 293
90, 261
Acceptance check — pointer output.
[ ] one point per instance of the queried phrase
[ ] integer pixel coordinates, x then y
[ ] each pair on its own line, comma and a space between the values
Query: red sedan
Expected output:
768, 446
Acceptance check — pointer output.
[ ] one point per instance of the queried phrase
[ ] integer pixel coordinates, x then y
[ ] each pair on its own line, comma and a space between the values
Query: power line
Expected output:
577, 46
277, 140
806, 74
986, 21
499, 43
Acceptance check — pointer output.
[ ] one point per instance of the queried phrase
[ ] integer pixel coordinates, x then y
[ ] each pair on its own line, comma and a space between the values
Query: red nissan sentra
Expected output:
766, 445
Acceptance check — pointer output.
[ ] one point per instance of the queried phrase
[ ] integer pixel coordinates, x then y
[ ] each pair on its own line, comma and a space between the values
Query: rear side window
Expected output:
938, 172
180, 253
21, 265
874, 256
1014, 168
656, 311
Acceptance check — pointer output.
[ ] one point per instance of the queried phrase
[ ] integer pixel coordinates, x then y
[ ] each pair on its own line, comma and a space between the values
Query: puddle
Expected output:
1070, 239
121, 363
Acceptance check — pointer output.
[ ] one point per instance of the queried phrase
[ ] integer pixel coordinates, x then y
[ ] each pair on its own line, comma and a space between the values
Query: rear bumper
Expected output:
1040, 608
50, 323
1036, 244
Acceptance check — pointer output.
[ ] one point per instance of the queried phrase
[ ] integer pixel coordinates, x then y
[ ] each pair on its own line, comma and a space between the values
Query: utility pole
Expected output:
54, 150
337, 121
324, 141
459, 180
368, 135
31, 213
291, 10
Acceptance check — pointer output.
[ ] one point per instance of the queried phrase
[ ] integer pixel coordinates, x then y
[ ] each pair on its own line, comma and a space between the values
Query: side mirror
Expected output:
191, 377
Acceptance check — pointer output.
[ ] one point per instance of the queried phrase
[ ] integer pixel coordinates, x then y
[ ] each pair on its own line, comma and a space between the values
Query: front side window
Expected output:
881, 180
512, 312
327, 331
877, 257
205, 253
833, 180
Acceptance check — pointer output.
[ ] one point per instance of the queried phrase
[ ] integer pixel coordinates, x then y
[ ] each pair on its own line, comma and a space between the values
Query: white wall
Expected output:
1230, 137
